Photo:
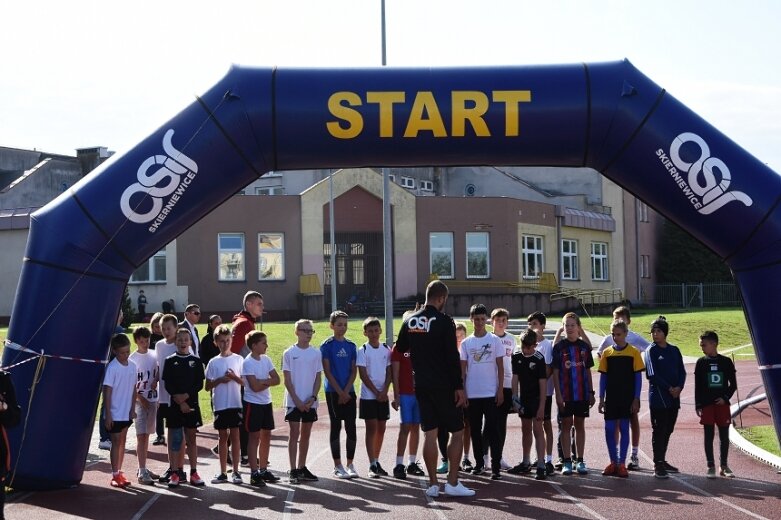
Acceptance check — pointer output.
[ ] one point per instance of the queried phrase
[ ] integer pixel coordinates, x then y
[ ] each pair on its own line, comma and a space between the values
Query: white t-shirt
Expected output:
376, 361
303, 364
545, 347
482, 374
508, 341
162, 351
261, 369
122, 380
148, 372
225, 395
633, 338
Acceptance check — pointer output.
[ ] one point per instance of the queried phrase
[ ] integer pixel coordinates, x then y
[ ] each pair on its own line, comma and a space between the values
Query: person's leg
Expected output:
539, 441
116, 464
253, 442
379, 437
709, 431
635, 426
414, 440
350, 430
401, 441
235, 438
467, 436
672, 418
526, 439
223, 451
547, 426
610, 440
292, 444
443, 437
565, 438
303, 448
658, 433
371, 434
454, 450
723, 445
192, 448
142, 449
476, 426
492, 433
159, 426
580, 436
264, 448
623, 425
332, 401
430, 452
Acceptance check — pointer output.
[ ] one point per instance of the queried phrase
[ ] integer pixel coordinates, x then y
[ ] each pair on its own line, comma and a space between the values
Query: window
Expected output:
599, 268
408, 182
391, 177
642, 211
271, 256
569, 259
532, 256
270, 190
426, 185
477, 255
441, 254
645, 266
230, 257
151, 271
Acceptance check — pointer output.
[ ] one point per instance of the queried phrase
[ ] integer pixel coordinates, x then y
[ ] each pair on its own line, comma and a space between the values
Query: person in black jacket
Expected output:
207, 348
10, 415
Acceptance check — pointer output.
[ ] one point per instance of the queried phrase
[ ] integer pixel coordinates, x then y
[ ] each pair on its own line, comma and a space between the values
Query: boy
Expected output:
536, 322
499, 319
666, 377
622, 313
529, 383
147, 378
164, 348
571, 366
301, 366
183, 378
714, 384
339, 355
119, 400
620, 383
443, 437
374, 367
482, 369
404, 400
223, 379
259, 376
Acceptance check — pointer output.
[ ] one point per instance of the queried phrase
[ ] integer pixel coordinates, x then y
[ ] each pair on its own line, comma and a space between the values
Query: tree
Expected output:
681, 258
127, 309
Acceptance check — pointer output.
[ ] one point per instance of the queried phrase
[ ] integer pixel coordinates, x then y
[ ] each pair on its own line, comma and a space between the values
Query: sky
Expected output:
84, 73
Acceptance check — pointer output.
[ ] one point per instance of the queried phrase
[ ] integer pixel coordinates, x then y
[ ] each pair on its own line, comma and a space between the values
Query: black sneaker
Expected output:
520, 469
256, 479
669, 467
381, 470
495, 475
634, 463
466, 464
165, 478
182, 476
373, 473
414, 469
216, 450
244, 461
559, 464
541, 473
293, 476
660, 471
399, 471
306, 475
267, 476
159, 441
549, 469
478, 470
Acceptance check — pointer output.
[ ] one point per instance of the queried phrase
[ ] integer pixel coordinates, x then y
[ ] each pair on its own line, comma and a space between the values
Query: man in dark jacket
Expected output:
10, 415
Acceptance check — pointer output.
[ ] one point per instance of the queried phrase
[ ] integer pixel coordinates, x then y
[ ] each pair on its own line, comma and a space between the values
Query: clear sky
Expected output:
83, 73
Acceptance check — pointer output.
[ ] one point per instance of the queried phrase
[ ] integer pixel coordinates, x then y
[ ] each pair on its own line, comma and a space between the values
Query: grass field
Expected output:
763, 436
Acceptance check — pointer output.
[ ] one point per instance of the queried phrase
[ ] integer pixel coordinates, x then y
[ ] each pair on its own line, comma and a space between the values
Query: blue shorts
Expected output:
410, 411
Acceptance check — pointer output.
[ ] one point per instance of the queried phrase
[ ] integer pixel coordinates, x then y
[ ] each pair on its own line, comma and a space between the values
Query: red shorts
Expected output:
717, 414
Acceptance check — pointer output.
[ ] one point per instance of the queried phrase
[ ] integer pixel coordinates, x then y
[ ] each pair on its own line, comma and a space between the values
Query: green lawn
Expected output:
763, 436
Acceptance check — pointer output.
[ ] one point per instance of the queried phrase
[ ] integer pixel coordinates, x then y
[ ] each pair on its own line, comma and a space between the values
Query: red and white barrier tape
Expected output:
16, 346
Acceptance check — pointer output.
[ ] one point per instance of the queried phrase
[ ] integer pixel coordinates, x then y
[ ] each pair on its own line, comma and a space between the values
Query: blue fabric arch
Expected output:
84, 245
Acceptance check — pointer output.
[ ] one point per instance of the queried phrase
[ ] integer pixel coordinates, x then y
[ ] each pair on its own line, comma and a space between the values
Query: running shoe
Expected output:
621, 471
559, 464
581, 468
125, 482
413, 468
145, 478
104, 445
504, 465
373, 473
159, 441
459, 490
495, 474
381, 470
195, 479
306, 475
711, 473
610, 470
293, 477
236, 478
432, 491
352, 471
340, 472
549, 469
520, 469
152, 474
634, 463
222, 478
256, 479
443, 468
116, 482
268, 476
174, 480
725, 472
541, 473
245, 461
669, 467
466, 464
660, 471
478, 470
399, 472
566, 467
166, 477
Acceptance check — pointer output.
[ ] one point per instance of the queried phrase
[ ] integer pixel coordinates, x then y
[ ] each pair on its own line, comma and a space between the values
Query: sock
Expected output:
375, 461
115, 473
413, 459
548, 458
526, 460
634, 451
399, 459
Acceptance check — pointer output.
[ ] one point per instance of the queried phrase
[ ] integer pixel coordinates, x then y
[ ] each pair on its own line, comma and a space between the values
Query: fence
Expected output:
712, 294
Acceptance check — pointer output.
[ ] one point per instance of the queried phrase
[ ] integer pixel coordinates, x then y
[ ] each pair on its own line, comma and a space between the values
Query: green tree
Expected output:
127, 309
682, 258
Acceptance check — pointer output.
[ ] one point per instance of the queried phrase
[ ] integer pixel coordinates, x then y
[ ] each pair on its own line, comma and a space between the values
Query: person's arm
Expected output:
315, 390
108, 420
699, 388
291, 391
350, 381
638, 388
395, 369
500, 379
133, 397
383, 395
541, 406
681, 371
516, 388
653, 377
732, 381
592, 399
330, 377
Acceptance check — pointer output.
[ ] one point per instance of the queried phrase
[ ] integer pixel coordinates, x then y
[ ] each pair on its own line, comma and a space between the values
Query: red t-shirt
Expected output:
406, 384
243, 323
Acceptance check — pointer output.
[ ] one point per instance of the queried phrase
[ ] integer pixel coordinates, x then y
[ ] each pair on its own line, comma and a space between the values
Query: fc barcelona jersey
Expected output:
573, 361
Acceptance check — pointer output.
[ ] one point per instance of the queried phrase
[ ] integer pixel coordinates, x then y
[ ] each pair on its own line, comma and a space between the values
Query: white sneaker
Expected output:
486, 461
459, 490
104, 445
340, 472
504, 465
433, 491
351, 471
236, 478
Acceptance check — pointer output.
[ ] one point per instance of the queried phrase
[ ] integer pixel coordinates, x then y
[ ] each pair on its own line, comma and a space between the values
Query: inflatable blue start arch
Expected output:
84, 245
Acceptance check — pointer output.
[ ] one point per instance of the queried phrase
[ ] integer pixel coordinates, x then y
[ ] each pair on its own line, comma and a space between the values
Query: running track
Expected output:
755, 493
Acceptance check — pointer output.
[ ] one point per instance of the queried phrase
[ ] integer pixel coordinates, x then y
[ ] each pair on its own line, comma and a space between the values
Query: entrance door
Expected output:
358, 268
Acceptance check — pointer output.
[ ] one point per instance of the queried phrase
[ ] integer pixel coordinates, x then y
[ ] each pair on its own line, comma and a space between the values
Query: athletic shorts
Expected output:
295, 415
258, 417
177, 419
438, 410
618, 410
716, 414
575, 408
228, 418
146, 418
372, 409
548, 407
340, 412
529, 407
118, 426
410, 411
507, 403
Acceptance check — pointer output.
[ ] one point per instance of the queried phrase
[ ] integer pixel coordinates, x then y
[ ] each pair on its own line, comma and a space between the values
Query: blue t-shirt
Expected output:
341, 356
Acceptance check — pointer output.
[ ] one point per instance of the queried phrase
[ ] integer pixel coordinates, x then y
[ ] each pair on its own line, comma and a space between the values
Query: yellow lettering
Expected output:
353, 118
461, 114
386, 101
425, 102
511, 99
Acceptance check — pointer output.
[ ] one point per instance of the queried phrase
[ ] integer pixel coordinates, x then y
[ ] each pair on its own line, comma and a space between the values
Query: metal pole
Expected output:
333, 240
386, 226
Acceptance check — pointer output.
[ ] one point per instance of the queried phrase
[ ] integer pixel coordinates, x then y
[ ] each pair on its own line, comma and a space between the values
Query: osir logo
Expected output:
420, 323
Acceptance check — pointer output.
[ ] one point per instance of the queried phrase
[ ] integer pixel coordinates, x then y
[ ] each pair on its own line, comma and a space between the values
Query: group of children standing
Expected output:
499, 376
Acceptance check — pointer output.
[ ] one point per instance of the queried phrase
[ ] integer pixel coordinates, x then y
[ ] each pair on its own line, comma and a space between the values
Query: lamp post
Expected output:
386, 223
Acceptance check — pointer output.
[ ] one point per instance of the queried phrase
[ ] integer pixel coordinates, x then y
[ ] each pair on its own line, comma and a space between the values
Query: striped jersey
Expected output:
573, 361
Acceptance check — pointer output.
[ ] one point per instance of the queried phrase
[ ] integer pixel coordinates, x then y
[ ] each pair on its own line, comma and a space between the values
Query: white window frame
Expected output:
479, 249
537, 252
152, 275
408, 182
269, 190
392, 177
642, 211
271, 251
645, 266
427, 185
569, 254
600, 269
441, 250
232, 251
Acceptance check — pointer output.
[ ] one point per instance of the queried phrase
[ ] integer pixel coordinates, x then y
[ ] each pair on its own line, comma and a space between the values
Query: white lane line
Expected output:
286, 513
577, 502
146, 507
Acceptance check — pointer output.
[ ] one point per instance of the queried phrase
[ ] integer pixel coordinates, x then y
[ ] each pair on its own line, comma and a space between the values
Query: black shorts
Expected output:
340, 412
507, 403
227, 419
118, 426
372, 409
618, 409
548, 407
438, 410
529, 407
177, 419
258, 417
575, 408
296, 415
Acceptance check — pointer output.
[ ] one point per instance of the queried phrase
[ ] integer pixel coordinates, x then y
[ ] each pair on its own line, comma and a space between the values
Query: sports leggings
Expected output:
723, 444
338, 413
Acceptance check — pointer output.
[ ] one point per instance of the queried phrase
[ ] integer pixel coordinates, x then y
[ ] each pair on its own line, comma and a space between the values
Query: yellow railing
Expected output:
589, 296
545, 283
